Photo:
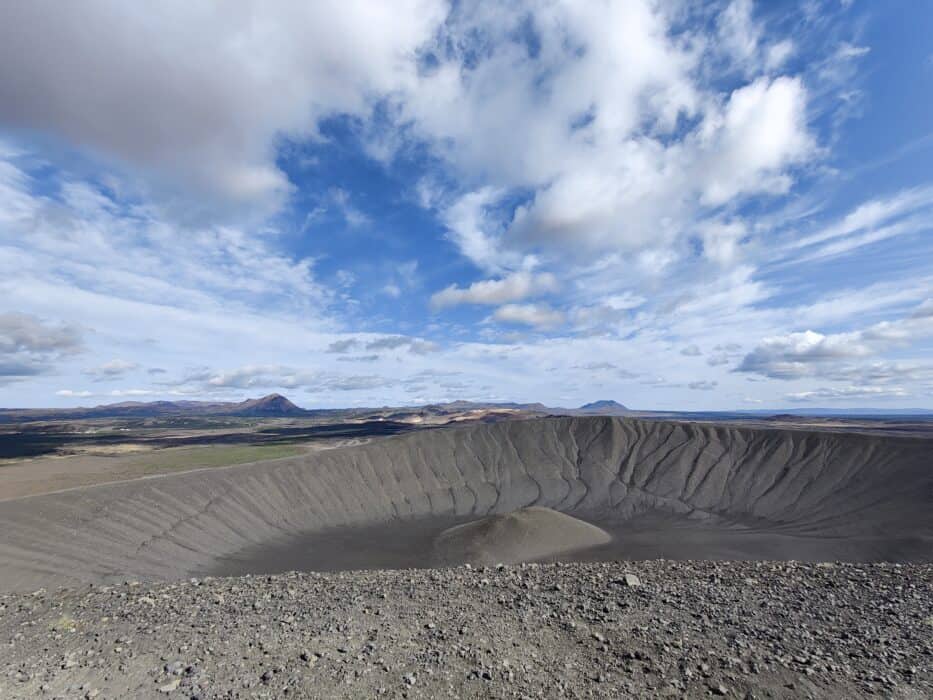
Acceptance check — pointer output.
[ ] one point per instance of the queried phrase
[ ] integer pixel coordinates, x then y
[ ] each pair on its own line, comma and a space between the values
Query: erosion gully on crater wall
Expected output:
675, 490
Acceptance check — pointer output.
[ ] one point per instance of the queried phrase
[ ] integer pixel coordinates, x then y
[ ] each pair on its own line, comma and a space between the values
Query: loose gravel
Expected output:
656, 628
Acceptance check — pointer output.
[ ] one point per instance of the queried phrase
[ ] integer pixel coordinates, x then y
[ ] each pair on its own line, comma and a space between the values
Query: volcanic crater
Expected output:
585, 488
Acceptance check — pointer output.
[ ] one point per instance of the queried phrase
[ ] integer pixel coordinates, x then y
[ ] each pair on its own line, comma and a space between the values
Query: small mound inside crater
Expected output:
527, 534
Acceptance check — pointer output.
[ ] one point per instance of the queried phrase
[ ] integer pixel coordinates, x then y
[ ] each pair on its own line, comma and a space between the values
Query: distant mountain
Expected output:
271, 406
604, 407
274, 405
277, 406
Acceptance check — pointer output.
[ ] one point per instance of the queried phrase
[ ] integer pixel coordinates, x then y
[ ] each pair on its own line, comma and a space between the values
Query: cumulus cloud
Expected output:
624, 143
196, 95
808, 353
24, 333
798, 355
761, 131
691, 351
29, 346
514, 287
539, 316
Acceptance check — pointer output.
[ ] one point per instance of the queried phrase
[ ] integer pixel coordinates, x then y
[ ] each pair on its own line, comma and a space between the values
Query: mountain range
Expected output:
277, 406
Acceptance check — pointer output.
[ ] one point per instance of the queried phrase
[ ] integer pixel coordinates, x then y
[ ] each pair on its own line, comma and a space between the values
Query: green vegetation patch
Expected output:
179, 459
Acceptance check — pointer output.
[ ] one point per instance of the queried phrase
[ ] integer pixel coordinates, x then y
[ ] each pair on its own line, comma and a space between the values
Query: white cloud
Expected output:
29, 346
468, 224
742, 40
738, 33
907, 211
749, 144
514, 287
538, 315
600, 160
68, 393
777, 54
799, 354
808, 353
195, 95
24, 333
94, 241
721, 240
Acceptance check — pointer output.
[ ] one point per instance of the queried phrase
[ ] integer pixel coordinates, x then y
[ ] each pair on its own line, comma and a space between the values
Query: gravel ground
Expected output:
658, 628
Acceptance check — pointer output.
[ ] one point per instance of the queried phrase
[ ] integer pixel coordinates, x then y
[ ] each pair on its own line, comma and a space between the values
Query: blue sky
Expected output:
691, 206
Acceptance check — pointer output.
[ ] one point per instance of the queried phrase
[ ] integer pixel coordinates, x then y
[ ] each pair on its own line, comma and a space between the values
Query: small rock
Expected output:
175, 668
171, 686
